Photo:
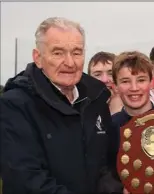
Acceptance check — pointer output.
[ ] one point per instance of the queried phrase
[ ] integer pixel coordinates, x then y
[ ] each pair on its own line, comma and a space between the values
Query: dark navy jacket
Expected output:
52, 147
121, 118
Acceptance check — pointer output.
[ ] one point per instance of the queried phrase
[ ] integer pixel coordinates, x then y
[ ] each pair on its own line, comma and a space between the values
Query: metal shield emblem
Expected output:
147, 141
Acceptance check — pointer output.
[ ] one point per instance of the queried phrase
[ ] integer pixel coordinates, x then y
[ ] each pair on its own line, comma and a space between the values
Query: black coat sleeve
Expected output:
24, 168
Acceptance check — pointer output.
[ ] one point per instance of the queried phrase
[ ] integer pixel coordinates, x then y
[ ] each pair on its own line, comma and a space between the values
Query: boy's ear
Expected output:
115, 88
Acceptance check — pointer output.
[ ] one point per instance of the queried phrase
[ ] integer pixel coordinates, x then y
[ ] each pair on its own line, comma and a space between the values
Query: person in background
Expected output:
100, 67
132, 74
56, 126
152, 55
1, 89
152, 89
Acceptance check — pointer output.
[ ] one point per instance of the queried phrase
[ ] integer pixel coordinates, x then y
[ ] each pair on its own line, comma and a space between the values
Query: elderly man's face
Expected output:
61, 56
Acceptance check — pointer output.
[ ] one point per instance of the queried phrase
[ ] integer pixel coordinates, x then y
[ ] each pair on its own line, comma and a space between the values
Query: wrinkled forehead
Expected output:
64, 36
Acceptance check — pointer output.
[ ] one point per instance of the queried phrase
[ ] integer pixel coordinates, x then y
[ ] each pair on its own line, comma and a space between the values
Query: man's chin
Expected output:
67, 84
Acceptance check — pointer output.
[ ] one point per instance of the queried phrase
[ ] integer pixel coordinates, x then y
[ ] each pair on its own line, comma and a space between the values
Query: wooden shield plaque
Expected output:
135, 161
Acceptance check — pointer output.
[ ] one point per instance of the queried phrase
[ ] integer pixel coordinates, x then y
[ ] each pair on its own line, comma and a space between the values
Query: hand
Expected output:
125, 191
115, 104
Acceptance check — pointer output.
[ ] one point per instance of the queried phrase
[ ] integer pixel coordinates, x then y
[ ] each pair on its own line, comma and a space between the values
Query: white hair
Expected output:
56, 22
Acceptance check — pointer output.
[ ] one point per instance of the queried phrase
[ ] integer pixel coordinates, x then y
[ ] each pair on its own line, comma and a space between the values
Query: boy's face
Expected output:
103, 72
134, 89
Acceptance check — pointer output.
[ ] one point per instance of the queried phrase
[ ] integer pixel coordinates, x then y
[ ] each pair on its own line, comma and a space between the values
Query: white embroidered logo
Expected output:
98, 125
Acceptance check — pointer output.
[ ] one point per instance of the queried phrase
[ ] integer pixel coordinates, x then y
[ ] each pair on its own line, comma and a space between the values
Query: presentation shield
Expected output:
135, 161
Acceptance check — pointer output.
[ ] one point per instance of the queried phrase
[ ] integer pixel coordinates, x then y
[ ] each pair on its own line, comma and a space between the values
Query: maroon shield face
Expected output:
135, 160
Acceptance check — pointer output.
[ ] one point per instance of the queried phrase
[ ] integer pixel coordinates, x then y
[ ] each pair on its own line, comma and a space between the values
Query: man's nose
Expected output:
69, 60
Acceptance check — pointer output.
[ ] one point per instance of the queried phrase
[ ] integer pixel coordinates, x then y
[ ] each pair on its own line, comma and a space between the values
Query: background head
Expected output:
1, 89
152, 55
100, 67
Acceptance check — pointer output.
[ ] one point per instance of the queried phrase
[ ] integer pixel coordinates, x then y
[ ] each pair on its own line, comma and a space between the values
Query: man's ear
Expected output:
36, 54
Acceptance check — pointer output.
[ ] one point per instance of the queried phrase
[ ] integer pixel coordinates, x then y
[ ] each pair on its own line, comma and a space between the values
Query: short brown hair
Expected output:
136, 61
102, 57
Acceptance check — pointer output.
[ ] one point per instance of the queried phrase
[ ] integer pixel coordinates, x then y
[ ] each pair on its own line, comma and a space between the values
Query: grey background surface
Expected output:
109, 26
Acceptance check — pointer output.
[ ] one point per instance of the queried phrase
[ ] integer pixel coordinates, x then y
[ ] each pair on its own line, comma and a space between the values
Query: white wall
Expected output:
109, 26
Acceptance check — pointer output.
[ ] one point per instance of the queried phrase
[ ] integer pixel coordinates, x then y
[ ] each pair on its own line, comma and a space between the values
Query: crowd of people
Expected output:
60, 127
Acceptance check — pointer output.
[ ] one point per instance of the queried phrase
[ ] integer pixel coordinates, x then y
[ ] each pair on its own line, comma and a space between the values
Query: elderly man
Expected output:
56, 125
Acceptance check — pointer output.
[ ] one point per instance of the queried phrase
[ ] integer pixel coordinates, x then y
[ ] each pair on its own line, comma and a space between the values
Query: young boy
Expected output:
100, 67
132, 74
151, 56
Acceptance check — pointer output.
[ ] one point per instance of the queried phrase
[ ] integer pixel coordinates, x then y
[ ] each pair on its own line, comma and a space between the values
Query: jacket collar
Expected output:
36, 83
